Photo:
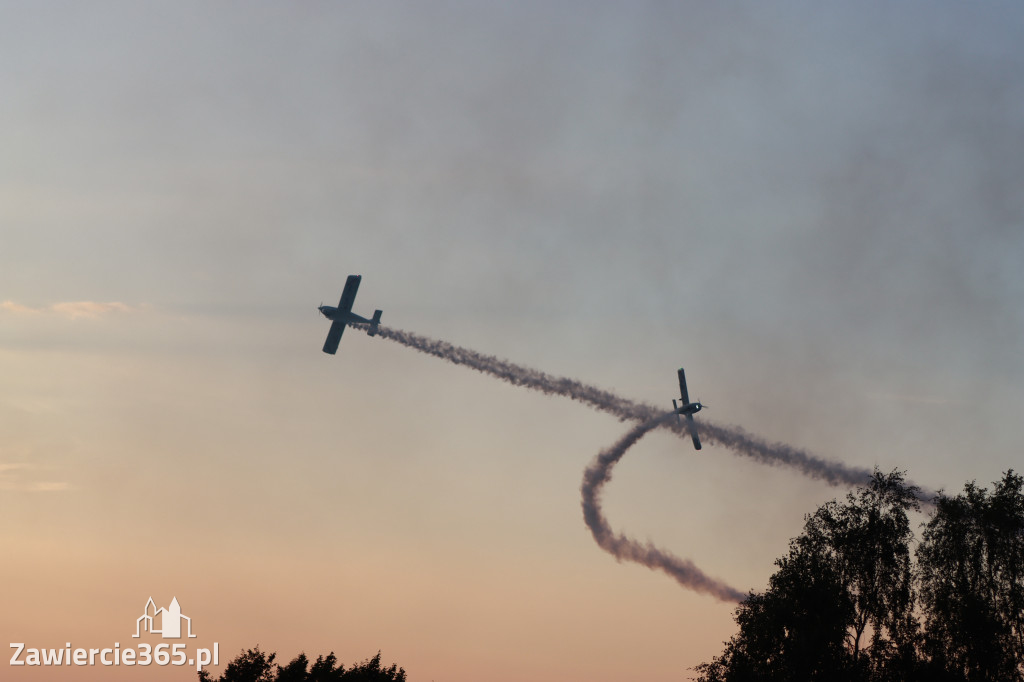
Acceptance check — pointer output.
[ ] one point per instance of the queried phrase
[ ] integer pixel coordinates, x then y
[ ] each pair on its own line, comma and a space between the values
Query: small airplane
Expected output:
343, 314
687, 408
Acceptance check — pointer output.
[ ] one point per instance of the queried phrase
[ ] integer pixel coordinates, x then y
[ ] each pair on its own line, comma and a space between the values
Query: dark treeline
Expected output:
258, 666
852, 601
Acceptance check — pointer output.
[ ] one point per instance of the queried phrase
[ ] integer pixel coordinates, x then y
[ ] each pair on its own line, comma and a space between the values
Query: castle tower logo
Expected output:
170, 620
166, 622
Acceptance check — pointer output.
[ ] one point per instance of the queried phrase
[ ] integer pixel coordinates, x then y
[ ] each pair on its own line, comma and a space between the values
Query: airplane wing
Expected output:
693, 431
348, 295
335, 332
682, 386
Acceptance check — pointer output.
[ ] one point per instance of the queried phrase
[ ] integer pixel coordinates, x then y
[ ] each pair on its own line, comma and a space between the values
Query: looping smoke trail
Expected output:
732, 437
599, 472
622, 547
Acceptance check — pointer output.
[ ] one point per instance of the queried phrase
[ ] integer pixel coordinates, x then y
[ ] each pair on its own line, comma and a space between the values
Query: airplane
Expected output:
687, 408
343, 314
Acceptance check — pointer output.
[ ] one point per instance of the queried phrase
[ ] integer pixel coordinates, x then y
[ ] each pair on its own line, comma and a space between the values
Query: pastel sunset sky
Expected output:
816, 208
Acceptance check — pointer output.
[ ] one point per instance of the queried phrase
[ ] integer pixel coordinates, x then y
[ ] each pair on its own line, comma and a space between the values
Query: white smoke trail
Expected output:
622, 547
684, 571
731, 437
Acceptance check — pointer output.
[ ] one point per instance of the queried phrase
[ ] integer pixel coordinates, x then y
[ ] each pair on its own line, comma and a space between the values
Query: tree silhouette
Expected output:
249, 666
254, 665
847, 602
868, 538
971, 570
840, 605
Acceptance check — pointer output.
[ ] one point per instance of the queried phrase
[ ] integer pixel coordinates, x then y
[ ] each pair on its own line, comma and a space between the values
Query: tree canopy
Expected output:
848, 602
254, 665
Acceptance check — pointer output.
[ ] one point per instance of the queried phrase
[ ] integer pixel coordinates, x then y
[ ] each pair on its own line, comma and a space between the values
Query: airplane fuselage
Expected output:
328, 311
690, 408
334, 314
685, 407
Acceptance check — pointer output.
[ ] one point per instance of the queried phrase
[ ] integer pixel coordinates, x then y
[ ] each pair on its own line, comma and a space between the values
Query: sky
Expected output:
815, 208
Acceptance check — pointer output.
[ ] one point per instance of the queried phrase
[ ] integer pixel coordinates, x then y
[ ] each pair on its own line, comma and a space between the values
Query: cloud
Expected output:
15, 481
35, 486
47, 486
92, 309
18, 309
12, 466
70, 309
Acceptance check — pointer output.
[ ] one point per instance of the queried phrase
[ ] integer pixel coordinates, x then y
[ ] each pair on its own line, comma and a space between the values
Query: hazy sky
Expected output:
817, 209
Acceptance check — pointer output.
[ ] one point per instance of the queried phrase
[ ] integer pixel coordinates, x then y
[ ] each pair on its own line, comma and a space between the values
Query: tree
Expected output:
971, 571
869, 539
255, 666
795, 630
249, 666
841, 604
295, 671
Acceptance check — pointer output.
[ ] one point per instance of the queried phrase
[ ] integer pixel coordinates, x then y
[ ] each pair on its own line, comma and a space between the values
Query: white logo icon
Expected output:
170, 620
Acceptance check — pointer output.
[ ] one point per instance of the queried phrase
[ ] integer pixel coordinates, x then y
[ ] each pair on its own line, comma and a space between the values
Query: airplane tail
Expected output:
374, 323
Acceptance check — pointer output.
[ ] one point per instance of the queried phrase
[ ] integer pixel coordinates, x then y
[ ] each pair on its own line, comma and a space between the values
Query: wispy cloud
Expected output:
12, 466
18, 309
47, 486
11, 479
71, 309
75, 309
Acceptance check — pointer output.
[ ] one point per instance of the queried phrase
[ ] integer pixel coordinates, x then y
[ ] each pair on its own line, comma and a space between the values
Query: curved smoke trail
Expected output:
625, 548
731, 437
684, 571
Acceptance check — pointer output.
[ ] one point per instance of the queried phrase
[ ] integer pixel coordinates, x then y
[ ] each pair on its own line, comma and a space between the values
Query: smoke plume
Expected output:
732, 437
622, 547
